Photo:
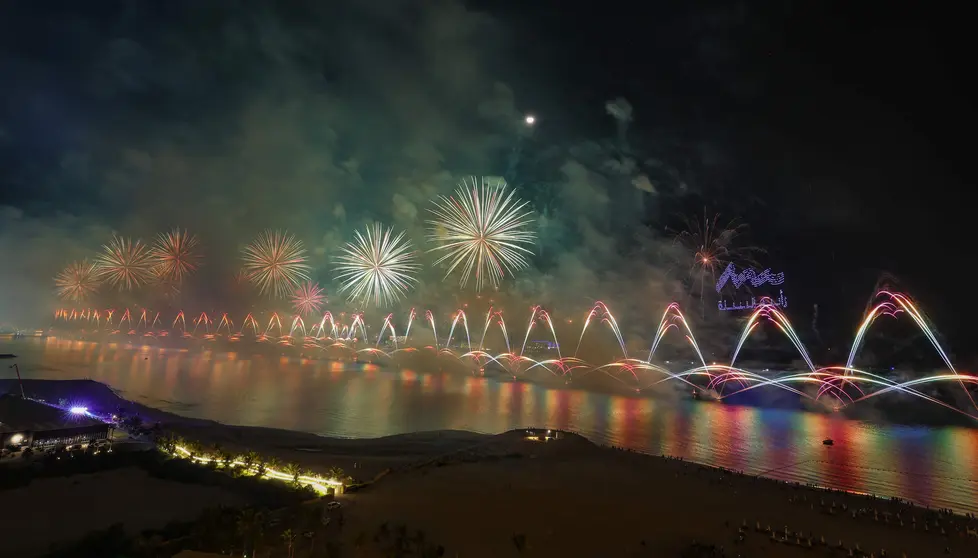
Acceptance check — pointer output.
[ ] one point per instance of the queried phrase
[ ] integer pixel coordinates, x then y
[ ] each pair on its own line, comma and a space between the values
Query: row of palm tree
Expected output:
251, 461
302, 531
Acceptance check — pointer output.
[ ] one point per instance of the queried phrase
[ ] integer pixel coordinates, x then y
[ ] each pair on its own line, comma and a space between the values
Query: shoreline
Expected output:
539, 491
362, 458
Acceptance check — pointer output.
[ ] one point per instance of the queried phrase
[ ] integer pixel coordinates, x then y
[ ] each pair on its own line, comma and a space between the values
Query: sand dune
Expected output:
571, 498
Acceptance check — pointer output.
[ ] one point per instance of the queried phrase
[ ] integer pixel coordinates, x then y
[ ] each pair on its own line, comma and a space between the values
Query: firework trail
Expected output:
249, 320
844, 384
712, 246
308, 298
174, 256
297, 325
483, 231
407, 331
388, 325
124, 264
434, 330
377, 266
205, 320
76, 282
225, 322
276, 263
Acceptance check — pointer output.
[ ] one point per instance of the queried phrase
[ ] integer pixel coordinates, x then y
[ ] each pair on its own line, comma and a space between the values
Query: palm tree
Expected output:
249, 526
294, 470
249, 459
195, 450
165, 443
289, 537
260, 469
227, 459
336, 473
311, 535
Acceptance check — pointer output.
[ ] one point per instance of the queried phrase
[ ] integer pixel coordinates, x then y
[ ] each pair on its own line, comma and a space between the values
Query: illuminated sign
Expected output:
749, 277
751, 303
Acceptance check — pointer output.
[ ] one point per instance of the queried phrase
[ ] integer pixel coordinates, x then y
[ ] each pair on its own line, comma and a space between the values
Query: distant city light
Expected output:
78, 410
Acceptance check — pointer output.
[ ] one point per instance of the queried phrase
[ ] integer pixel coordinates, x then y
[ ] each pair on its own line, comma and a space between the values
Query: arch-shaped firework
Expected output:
839, 385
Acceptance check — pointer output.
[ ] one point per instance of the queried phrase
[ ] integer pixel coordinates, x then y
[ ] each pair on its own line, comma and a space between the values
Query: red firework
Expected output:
77, 281
124, 263
308, 298
174, 257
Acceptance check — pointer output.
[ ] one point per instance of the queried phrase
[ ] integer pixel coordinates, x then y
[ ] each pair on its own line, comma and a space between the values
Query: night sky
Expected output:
839, 132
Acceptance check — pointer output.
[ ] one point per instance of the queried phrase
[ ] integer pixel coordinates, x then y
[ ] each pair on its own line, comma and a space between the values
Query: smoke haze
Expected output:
317, 118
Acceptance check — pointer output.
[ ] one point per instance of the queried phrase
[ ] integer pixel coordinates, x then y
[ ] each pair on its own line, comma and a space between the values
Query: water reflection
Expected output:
934, 466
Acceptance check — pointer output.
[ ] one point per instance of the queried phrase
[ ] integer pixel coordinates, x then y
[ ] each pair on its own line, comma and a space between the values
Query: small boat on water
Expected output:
828, 442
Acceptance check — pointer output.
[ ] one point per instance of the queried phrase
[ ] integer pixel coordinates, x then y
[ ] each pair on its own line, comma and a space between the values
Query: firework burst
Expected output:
124, 264
276, 263
377, 266
77, 281
482, 230
308, 298
174, 256
711, 246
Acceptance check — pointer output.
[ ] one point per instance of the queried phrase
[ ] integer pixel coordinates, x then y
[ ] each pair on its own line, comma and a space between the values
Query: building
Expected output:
25, 422
542, 434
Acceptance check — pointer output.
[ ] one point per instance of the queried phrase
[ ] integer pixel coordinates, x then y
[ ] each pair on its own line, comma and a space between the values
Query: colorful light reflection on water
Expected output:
936, 466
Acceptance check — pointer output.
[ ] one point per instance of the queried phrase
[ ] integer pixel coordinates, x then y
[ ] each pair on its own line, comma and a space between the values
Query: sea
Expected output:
933, 466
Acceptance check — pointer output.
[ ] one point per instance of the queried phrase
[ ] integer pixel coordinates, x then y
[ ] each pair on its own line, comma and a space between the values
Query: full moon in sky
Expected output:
530, 119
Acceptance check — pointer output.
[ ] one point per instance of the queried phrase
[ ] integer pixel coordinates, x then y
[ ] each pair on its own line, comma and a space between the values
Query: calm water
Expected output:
936, 466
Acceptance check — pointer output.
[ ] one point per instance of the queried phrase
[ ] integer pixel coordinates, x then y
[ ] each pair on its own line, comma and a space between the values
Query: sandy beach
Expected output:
572, 498
472, 493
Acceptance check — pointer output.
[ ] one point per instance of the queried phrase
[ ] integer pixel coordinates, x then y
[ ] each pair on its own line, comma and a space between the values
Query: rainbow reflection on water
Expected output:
934, 466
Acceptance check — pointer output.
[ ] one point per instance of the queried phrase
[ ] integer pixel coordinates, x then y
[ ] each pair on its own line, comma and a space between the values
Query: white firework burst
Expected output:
377, 266
482, 230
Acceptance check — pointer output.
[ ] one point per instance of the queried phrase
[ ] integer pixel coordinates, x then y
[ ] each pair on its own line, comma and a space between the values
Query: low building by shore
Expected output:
28, 423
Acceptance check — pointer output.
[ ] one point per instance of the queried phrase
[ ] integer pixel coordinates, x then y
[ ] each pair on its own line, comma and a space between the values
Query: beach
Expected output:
473, 493
571, 498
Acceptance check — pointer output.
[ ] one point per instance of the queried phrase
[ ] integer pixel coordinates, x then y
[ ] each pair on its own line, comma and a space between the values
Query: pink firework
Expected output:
308, 298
